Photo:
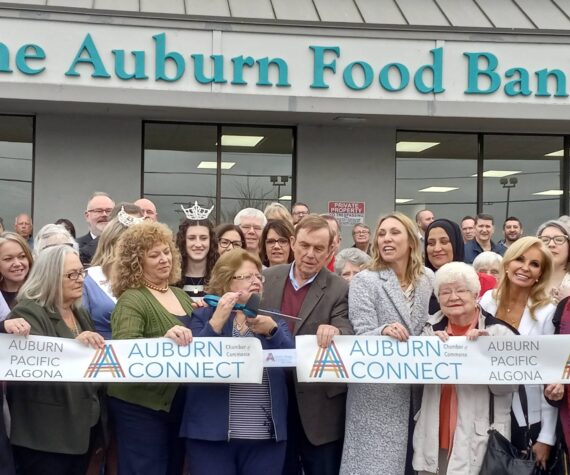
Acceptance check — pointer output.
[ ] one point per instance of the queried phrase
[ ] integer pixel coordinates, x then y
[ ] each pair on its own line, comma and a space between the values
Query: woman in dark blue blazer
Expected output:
237, 428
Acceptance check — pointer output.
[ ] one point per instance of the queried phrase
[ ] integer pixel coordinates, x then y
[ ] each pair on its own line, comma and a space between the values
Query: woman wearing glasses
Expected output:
147, 416
522, 299
554, 234
276, 242
229, 236
237, 428
53, 423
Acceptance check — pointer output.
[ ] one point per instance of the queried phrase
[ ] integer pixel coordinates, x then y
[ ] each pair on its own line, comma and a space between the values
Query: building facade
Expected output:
361, 105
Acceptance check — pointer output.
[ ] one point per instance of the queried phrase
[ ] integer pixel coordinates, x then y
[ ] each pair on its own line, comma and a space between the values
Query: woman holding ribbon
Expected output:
237, 428
147, 416
53, 424
390, 298
522, 299
451, 430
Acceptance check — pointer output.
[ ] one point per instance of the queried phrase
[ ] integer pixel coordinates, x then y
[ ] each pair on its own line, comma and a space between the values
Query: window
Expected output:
16, 167
436, 171
184, 162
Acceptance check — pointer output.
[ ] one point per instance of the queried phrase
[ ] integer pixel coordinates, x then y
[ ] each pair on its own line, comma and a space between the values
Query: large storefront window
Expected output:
184, 163
436, 171
16, 167
522, 178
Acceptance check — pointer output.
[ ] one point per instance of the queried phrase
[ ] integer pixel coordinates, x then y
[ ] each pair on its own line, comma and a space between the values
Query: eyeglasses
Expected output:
558, 240
100, 210
281, 241
249, 227
300, 213
249, 277
76, 274
364, 231
447, 293
225, 243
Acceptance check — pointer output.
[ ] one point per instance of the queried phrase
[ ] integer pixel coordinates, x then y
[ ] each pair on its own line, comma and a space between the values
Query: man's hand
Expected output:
325, 335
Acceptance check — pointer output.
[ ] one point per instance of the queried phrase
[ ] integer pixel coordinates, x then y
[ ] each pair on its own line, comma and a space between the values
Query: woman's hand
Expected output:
541, 453
92, 339
198, 303
261, 325
17, 326
554, 392
396, 330
442, 335
223, 310
182, 336
474, 333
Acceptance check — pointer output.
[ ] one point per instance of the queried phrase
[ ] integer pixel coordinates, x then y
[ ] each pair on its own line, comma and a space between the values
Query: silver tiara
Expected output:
196, 213
127, 220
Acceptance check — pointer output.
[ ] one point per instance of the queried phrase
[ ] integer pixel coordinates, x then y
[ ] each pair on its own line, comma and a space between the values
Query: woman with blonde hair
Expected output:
278, 211
522, 299
390, 298
147, 416
98, 297
15, 263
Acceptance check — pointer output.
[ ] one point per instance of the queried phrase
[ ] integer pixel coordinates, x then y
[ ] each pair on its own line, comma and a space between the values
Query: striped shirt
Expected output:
250, 406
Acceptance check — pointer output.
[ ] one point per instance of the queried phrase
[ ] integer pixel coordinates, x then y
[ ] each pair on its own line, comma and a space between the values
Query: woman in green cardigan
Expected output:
53, 423
147, 416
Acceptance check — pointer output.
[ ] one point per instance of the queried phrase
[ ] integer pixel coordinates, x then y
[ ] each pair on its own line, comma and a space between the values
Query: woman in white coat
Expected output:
450, 437
390, 298
522, 300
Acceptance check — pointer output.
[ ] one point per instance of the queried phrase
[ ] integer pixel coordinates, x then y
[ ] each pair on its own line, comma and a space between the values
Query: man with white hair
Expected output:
148, 209
251, 221
97, 213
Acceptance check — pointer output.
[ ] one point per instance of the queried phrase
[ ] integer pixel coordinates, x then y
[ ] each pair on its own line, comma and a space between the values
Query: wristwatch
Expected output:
273, 331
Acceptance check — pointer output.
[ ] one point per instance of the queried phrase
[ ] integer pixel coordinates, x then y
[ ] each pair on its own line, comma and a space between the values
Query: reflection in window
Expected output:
256, 172
522, 179
180, 167
16, 167
436, 171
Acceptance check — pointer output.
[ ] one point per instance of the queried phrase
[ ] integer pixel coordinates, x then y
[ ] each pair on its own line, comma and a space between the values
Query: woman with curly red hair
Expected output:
147, 416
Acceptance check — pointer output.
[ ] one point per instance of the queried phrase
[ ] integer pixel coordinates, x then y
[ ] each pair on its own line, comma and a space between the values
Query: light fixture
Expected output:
498, 173
400, 201
414, 147
438, 189
241, 140
549, 193
214, 165
350, 120
558, 153
286, 198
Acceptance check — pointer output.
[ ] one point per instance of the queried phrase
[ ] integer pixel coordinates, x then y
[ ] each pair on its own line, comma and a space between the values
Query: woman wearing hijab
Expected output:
443, 244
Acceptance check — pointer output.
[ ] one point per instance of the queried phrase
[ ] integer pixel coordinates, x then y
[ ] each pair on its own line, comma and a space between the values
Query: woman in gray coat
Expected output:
390, 298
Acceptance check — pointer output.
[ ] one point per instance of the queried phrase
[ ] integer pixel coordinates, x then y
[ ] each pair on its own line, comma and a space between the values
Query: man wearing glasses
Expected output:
361, 237
300, 210
97, 213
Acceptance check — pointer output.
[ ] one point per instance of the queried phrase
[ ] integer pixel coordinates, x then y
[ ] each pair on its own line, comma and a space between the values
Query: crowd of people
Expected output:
131, 276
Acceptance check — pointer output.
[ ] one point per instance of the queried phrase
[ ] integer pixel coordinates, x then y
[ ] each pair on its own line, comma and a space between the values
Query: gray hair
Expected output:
44, 284
487, 259
556, 223
353, 255
53, 235
457, 271
250, 213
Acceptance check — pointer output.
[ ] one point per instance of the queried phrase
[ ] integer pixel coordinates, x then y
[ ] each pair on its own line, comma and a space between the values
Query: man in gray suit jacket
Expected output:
319, 298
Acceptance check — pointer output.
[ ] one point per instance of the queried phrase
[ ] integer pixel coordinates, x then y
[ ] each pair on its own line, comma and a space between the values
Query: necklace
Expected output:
239, 326
75, 328
162, 290
195, 285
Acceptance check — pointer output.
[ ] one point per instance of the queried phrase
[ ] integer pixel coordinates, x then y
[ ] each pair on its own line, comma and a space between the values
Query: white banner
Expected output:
205, 360
427, 360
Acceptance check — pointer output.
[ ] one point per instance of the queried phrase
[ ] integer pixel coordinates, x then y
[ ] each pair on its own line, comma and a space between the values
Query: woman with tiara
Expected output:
197, 246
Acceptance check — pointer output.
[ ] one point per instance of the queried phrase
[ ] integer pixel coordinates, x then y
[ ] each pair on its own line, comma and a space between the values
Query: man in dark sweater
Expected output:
306, 289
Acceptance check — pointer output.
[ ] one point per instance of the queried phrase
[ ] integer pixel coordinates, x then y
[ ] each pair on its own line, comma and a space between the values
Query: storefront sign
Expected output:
427, 360
205, 360
348, 213
238, 62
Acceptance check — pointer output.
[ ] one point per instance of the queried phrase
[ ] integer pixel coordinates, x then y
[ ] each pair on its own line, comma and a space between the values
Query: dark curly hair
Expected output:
212, 255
